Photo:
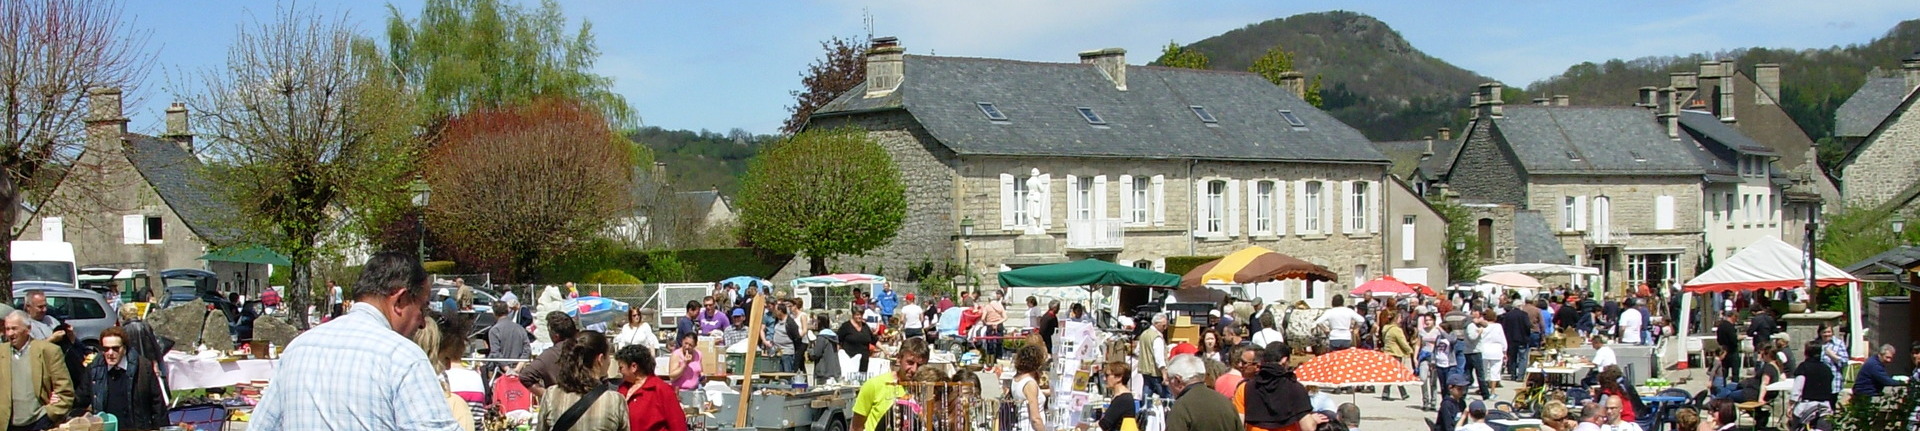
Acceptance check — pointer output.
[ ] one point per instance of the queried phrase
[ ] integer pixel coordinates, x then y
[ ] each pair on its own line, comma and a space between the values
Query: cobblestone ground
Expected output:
1407, 415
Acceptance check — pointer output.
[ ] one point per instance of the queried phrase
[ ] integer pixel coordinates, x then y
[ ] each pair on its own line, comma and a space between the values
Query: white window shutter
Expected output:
1252, 190
1007, 202
53, 229
133, 229
1100, 197
1406, 240
1073, 197
1046, 207
1300, 209
1663, 212
1580, 213
1160, 264
1233, 208
1126, 199
1201, 208
1159, 200
1340, 196
1279, 207
1376, 205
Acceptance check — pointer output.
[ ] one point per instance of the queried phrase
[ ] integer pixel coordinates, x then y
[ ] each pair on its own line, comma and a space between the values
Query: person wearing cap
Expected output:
1476, 417
1454, 403
913, 318
736, 331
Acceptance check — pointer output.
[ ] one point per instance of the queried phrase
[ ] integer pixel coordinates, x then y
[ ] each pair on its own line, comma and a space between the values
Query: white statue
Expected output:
1036, 204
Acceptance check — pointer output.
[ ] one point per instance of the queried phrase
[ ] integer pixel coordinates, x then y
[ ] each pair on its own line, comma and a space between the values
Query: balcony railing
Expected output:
1608, 237
1097, 234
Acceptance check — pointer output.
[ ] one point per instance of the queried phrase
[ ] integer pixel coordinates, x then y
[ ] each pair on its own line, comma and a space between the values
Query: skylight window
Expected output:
1573, 156
992, 112
1091, 117
1293, 120
1636, 156
1205, 117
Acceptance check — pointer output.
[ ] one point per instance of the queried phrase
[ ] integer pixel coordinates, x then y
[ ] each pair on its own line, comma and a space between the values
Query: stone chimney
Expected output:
1562, 100
884, 71
1711, 69
1725, 88
1648, 97
1489, 104
1669, 111
1542, 101
1683, 81
178, 129
1473, 107
1111, 61
1910, 68
1429, 151
1767, 76
1446, 134
1294, 82
106, 123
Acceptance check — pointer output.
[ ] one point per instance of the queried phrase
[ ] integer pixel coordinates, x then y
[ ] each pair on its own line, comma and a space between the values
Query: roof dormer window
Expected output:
1091, 117
993, 113
1205, 117
1292, 120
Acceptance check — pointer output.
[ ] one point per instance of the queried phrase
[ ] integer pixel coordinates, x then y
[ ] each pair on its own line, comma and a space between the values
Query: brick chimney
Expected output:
1489, 100
1111, 61
884, 71
178, 129
1669, 112
1446, 134
1725, 106
1562, 100
1910, 68
106, 123
1767, 76
1294, 82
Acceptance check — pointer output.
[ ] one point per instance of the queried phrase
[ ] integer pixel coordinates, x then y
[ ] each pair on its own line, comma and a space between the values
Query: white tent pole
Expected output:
1857, 345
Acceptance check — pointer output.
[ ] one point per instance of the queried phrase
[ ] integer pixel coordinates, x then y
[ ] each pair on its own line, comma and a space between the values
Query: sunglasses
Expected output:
113, 348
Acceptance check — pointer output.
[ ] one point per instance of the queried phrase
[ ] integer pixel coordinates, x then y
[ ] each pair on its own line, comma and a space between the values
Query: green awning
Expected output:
1088, 272
248, 254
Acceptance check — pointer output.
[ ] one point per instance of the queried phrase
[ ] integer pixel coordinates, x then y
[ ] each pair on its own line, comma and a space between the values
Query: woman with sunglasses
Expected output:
127, 386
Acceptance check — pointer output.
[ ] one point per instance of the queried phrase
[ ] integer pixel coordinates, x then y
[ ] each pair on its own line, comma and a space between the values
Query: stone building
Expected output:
1421, 163
1749, 104
1131, 164
1619, 193
138, 201
1880, 171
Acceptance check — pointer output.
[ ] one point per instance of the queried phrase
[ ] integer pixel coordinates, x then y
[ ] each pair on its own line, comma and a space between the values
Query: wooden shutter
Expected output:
1340, 196
1376, 205
1073, 197
1279, 207
1100, 197
1232, 196
1406, 240
1046, 207
1007, 203
1159, 200
1126, 199
1300, 209
133, 229
1579, 213
1663, 212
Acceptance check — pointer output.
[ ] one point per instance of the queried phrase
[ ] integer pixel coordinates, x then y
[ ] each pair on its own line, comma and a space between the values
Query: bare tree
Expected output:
51, 52
304, 131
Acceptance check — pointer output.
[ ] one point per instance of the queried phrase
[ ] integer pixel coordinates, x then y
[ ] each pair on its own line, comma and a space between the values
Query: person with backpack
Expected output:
580, 398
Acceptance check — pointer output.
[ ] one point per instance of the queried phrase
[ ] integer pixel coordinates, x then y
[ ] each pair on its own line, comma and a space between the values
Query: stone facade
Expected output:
1631, 217
1483, 173
1887, 163
944, 188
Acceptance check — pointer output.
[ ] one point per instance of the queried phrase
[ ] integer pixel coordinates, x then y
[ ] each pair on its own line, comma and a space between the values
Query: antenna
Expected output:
866, 20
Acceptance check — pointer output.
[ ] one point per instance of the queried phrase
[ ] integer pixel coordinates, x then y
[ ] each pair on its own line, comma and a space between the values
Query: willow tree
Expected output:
795, 200
306, 137
469, 54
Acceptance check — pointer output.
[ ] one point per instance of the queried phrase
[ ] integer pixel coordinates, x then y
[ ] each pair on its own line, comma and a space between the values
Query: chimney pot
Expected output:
1647, 95
1490, 99
1294, 82
1446, 134
1429, 152
1726, 89
1542, 101
1910, 69
1111, 61
1562, 100
106, 123
1669, 112
885, 66
178, 128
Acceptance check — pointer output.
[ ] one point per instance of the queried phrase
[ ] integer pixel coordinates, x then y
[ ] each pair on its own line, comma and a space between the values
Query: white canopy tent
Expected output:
1770, 264
1577, 274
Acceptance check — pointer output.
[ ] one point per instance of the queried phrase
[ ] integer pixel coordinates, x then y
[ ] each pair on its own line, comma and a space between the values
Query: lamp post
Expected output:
421, 192
966, 244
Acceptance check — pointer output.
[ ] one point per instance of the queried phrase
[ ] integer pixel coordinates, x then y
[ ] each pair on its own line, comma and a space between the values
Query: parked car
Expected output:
186, 284
85, 310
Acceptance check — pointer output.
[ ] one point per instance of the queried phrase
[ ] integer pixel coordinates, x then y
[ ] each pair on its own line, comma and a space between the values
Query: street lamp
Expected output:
421, 193
1899, 226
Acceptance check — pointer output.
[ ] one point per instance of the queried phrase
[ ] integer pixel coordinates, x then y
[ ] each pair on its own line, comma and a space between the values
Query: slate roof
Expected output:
1150, 119
1888, 266
703, 199
1594, 140
1864, 111
180, 180
1409, 155
1720, 146
1534, 242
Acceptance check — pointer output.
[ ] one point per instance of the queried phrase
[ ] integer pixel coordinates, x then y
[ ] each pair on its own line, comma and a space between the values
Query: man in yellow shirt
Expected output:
878, 394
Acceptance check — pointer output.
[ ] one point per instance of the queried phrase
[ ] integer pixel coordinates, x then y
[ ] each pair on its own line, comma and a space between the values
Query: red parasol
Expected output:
1385, 285
1355, 367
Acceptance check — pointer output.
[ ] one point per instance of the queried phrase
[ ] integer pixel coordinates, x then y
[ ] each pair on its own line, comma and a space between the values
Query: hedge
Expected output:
664, 266
1181, 265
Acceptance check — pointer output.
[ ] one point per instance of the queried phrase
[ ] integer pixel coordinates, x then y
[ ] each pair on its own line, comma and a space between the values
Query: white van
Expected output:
45, 262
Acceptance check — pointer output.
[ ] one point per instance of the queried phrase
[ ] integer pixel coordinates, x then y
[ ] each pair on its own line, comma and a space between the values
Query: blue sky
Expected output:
720, 65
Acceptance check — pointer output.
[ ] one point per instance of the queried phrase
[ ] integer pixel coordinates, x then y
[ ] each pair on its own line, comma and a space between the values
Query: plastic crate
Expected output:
202, 416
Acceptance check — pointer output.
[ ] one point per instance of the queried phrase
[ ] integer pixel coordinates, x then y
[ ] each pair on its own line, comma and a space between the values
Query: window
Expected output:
1713, 205
1406, 238
1083, 198
1143, 264
154, 223
993, 113
1657, 271
1263, 207
141, 229
1205, 117
1312, 207
1746, 208
1021, 214
1091, 117
1484, 232
1292, 120
1567, 213
1357, 208
1730, 206
1137, 207
1216, 206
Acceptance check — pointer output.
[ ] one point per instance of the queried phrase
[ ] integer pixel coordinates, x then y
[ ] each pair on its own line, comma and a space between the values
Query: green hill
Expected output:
702, 160
1374, 80
1813, 82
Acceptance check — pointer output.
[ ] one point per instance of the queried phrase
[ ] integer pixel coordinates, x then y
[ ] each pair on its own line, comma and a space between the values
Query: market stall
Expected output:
210, 370
1769, 264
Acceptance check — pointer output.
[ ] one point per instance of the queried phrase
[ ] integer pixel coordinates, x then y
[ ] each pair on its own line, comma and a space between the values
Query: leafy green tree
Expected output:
1186, 58
1463, 244
309, 134
1277, 62
795, 201
472, 54
1854, 234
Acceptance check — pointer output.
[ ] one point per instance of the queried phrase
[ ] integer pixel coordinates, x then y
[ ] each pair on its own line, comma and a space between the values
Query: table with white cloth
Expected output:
209, 371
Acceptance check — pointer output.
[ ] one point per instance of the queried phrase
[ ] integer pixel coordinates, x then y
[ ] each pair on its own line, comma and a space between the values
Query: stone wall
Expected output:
925, 236
1888, 161
1484, 172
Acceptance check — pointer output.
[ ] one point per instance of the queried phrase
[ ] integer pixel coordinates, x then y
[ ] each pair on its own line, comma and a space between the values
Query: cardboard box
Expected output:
1188, 333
